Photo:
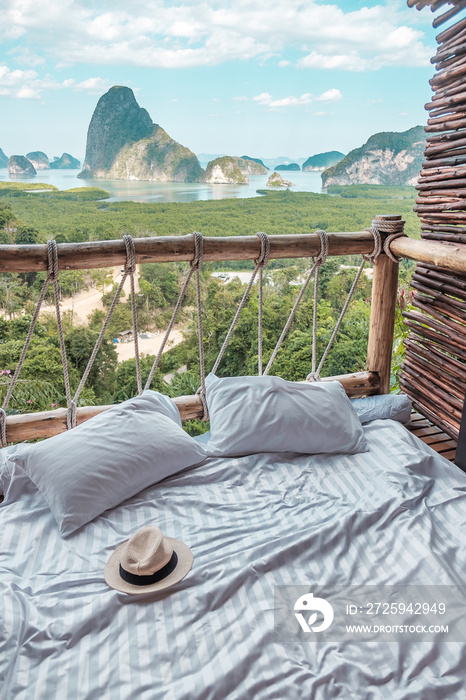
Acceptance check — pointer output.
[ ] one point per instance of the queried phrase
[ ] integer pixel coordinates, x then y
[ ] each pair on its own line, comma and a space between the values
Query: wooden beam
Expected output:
447, 255
382, 320
95, 254
33, 426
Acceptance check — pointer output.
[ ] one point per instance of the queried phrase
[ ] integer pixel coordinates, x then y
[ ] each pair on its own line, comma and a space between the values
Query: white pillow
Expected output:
109, 458
268, 414
382, 406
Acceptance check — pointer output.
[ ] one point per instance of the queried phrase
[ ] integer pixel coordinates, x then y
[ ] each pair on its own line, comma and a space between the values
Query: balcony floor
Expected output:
433, 436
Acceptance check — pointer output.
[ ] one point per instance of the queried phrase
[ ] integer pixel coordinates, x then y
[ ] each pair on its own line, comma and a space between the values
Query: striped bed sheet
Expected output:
393, 515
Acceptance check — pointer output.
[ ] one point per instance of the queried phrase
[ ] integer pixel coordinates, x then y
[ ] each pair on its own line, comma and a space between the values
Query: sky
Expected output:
263, 78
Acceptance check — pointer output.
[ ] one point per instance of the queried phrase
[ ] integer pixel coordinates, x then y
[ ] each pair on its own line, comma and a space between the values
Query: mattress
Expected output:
393, 516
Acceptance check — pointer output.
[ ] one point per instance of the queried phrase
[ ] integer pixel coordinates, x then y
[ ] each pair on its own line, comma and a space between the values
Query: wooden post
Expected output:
382, 321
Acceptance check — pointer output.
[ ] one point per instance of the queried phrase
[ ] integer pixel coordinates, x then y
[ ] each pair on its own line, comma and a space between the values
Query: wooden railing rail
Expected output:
78, 256
451, 256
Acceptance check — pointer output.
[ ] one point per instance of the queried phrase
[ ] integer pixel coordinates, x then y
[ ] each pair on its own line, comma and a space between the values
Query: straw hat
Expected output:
148, 562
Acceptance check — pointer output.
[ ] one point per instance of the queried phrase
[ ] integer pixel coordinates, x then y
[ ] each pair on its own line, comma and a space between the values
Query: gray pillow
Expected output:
268, 414
109, 458
395, 406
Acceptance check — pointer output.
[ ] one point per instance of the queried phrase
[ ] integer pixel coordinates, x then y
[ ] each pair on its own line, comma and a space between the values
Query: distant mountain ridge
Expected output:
3, 159
294, 167
387, 158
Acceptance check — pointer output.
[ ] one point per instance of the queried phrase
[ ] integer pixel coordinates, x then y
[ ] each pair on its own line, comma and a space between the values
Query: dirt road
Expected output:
84, 303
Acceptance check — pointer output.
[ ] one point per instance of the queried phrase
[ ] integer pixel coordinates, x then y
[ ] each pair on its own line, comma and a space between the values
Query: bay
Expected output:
159, 192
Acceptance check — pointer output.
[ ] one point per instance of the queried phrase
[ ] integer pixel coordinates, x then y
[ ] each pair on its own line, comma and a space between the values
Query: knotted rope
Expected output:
259, 265
395, 229
316, 264
52, 276
195, 267
53, 272
314, 375
130, 268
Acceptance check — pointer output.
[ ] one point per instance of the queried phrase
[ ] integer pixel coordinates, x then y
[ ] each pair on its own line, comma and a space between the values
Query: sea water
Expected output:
142, 191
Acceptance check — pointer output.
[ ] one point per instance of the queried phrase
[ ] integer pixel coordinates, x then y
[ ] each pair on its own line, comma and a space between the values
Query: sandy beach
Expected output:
84, 303
148, 346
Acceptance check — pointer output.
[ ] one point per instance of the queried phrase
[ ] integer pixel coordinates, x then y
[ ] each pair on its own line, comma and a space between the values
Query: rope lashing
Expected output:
52, 276
53, 273
395, 229
259, 265
196, 266
317, 262
3, 428
130, 267
378, 247
314, 375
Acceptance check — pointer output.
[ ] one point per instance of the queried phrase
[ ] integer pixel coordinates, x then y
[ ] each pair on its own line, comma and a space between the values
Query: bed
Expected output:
391, 516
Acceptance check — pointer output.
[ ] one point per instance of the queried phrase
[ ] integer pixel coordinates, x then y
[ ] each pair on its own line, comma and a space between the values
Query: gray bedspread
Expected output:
392, 516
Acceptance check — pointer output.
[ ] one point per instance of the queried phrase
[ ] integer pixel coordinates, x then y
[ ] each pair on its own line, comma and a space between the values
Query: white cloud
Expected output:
26, 84
240, 98
351, 62
29, 85
265, 99
331, 95
155, 33
95, 86
284, 64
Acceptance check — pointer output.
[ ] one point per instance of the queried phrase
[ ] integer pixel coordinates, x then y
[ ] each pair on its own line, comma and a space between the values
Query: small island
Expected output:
288, 166
39, 160
276, 180
65, 162
20, 165
225, 171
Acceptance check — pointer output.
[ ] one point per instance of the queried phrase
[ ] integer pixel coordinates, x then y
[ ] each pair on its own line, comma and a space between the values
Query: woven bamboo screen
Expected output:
434, 371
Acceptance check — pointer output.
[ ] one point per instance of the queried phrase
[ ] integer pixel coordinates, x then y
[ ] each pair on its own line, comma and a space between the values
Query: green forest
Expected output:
84, 215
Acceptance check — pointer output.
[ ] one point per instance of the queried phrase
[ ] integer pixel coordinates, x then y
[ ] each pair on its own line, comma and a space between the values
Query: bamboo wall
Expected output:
434, 371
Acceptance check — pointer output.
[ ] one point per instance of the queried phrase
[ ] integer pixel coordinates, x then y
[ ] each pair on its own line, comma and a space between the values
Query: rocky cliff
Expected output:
65, 162
321, 161
3, 159
124, 144
388, 158
250, 166
256, 160
276, 180
19, 165
39, 160
226, 171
